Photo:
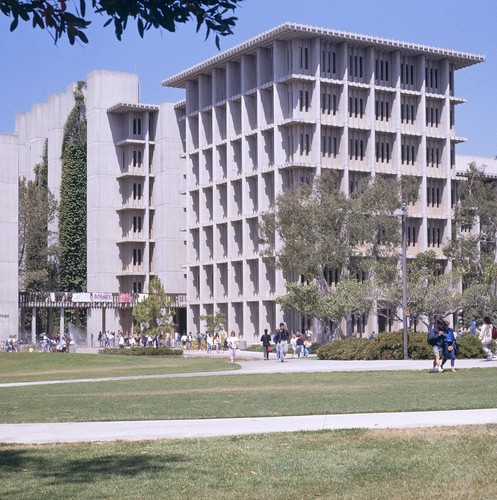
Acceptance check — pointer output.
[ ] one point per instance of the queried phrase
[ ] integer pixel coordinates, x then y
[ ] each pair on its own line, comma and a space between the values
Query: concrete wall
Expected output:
9, 316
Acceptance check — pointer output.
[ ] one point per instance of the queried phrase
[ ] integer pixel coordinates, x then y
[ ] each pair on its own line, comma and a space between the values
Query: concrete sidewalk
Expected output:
72, 432
250, 363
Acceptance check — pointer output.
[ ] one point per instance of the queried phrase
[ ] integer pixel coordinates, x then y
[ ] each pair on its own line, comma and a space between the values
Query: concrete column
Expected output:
62, 326
104, 327
33, 325
49, 320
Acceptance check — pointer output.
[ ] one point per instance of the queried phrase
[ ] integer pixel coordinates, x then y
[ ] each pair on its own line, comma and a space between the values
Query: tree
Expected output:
324, 237
475, 255
349, 297
72, 217
477, 206
54, 15
214, 322
430, 294
155, 312
37, 250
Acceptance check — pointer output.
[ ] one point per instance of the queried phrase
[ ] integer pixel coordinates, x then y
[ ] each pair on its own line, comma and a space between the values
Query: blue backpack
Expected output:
433, 337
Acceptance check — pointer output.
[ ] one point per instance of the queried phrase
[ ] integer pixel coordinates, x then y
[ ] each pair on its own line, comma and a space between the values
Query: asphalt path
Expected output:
250, 363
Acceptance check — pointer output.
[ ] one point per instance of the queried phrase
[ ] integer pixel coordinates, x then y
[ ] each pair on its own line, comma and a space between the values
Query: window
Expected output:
137, 126
356, 149
137, 224
355, 66
356, 107
329, 142
304, 100
329, 102
328, 61
433, 156
137, 256
433, 195
305, 144
382, 109
407, 72
411, 236
137, 158
382, 70
407, 111
304, 58
434, 236
137, 191
431, 76
382, 151
408, 154
137, 287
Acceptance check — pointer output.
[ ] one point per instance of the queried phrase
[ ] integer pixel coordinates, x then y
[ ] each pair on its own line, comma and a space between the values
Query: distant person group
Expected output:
300, 344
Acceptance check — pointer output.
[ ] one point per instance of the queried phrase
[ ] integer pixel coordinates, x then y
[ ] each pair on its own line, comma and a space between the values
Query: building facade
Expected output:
279, 109
178, 190
9, 315
135, 211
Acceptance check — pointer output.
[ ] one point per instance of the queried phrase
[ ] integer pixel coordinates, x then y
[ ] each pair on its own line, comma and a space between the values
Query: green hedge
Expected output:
390, 346
142, 351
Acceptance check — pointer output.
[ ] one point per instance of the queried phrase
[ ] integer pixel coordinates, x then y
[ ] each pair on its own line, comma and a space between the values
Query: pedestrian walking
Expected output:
232, 345
282, 336
449, 347
266, 343
485, 337
435, 339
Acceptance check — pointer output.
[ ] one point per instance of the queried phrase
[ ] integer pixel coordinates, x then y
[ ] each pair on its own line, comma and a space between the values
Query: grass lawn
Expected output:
250, 396
28, 367
362, 464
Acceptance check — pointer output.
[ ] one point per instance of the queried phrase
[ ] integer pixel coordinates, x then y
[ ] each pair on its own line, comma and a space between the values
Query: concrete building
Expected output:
279, 109
178, 190
134, 227
135, 211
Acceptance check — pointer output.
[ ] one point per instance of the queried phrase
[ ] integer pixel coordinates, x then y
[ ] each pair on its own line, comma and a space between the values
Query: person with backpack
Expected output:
436, 339
485, 337
266, 344
449, 347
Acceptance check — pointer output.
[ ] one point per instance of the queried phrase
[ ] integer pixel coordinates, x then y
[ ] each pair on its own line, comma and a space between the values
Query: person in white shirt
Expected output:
486, 337
232, 345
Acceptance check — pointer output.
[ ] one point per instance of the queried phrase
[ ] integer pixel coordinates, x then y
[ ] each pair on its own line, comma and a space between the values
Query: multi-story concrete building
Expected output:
135, 214
135, 211
178, 191
279, 109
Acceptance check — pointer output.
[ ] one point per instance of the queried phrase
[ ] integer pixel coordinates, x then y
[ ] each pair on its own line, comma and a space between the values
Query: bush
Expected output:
254, 348
142, 351
469, 347
390, 346
348, 349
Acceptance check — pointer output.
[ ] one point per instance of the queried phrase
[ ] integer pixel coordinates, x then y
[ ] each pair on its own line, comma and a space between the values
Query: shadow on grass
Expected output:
86, 470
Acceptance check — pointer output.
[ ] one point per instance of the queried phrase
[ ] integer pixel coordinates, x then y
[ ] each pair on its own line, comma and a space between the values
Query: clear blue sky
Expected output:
34, 68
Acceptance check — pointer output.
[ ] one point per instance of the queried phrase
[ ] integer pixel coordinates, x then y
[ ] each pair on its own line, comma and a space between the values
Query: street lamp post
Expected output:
402, 212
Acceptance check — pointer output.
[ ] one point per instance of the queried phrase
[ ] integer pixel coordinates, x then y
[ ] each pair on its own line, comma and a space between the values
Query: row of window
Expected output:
382, 109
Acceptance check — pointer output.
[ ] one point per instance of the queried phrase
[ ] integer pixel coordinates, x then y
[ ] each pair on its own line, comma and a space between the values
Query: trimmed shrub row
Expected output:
390, 346
142, 351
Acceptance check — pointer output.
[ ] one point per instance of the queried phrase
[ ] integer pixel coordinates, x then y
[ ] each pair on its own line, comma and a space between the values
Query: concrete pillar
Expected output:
62, 326
104, 327
33, 325
49, 321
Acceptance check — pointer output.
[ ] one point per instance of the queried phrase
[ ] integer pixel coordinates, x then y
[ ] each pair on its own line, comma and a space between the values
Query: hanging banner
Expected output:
124, 298
81, 297
102, 297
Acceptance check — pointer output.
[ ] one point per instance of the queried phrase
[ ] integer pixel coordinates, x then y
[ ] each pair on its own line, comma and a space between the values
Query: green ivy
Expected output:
72, 217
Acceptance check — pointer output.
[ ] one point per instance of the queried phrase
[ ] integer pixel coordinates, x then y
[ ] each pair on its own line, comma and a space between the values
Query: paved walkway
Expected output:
251, 363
